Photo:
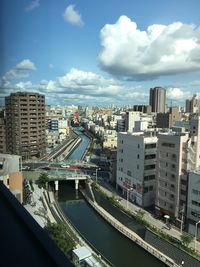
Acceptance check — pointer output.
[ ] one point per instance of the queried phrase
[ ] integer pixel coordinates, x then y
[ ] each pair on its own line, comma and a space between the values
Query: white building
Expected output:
130, 118
193, 202
171, 176
136, 162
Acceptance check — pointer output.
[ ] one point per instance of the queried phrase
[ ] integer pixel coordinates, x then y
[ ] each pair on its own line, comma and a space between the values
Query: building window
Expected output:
138, 156
149, 167
148, 146
145, 189
129, 173
151, 188
168, 145
138, 145
138, 166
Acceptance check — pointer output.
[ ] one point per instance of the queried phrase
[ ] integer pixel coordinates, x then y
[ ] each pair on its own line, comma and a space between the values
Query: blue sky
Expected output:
104, 52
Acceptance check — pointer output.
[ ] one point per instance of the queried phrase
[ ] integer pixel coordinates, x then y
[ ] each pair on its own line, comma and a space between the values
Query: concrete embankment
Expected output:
58, 215
69, 149
130, 234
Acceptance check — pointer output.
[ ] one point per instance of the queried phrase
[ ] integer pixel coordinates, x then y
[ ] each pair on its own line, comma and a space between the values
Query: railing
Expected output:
133, 236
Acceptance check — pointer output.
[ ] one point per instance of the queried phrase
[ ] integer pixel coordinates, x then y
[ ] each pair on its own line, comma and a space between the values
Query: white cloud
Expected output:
175, 93
51, 66
143, 55
32, 5
195, 83
24, 85
21, 70
73, 16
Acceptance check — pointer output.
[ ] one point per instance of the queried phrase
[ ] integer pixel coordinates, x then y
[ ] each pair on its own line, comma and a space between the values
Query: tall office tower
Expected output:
136, 167
25, 124
157, 99
171, 173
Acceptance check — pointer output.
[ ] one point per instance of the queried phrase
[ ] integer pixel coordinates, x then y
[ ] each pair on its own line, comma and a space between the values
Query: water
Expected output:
109, 242
113, 245
80, 150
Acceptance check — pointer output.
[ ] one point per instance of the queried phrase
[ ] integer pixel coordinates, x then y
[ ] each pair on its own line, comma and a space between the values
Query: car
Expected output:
64, 166
25, 168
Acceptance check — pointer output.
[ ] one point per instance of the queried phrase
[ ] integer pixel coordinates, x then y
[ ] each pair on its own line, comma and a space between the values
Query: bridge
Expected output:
57, 175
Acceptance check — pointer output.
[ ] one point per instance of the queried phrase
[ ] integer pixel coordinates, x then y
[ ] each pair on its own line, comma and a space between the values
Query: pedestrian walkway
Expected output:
38, 209
174, 232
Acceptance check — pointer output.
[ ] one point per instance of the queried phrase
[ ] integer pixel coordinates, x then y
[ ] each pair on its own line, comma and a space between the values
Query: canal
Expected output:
109, 242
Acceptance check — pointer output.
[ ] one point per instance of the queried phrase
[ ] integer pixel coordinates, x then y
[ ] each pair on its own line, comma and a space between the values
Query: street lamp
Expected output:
182, 263
196, 236
127, 194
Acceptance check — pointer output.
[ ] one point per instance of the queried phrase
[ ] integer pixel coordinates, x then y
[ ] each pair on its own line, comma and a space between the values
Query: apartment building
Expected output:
193, 202
25, 124
167, 120
2, 132
136, 167
171, 176
130, 118
193, 105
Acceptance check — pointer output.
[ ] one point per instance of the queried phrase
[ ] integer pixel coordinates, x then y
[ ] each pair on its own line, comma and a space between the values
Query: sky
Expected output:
100, 53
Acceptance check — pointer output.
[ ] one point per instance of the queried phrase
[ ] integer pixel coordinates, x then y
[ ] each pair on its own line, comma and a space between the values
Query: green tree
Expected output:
186, 239
60, 233
43, 180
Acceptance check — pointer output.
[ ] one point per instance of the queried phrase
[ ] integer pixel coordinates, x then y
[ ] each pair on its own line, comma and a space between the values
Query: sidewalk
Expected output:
174, 232
37, 209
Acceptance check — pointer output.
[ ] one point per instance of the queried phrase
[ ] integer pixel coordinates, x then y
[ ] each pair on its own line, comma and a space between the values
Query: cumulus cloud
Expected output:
161, 50
21, 70
73, 16
177, 94
23, 86
32, 5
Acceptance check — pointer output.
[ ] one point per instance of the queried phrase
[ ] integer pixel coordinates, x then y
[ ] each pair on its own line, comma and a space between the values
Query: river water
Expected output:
109, 242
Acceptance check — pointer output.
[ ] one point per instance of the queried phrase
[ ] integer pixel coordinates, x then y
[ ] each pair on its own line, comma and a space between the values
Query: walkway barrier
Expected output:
130, 234
60, 217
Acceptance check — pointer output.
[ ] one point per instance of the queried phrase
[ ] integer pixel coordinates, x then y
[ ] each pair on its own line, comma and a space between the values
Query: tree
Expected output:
186, 239
43, 180
59, 232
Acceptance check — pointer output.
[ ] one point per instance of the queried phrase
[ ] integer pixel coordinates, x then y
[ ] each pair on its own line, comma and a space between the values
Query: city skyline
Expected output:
86, 53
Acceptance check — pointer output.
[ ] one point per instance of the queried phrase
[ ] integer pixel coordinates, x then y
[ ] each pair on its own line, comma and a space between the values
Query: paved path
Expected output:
174, 232
36, 208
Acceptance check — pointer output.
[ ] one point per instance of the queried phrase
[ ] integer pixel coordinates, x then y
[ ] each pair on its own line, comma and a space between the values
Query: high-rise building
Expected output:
25, 124
157, 99
2, 132
136, 167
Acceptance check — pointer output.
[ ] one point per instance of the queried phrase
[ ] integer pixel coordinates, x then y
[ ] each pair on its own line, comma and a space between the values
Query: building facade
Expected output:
136, 167
25, 124
171, 176
11, 174
2, 132
157, 99
193, 202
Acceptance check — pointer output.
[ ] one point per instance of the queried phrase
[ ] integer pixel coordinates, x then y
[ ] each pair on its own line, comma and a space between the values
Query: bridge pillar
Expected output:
76, 184
56, 185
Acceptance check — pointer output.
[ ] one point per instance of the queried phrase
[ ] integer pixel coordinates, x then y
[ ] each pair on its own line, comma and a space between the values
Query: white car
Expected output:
64, 166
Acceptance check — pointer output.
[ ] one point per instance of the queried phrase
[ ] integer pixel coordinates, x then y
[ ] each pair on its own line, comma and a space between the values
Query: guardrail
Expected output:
131, 235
